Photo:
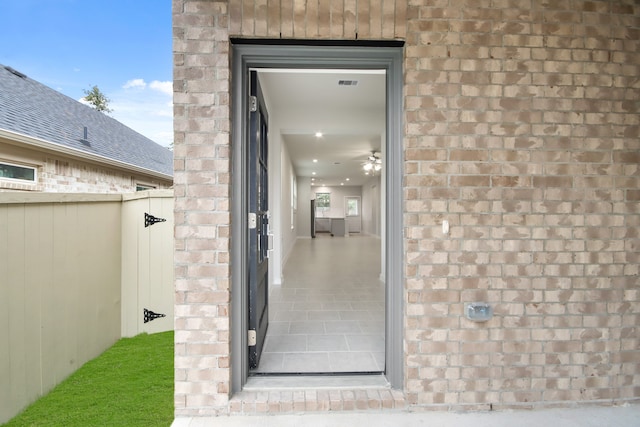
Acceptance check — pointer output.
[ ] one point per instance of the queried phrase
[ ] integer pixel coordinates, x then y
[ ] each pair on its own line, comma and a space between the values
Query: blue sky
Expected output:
122, 46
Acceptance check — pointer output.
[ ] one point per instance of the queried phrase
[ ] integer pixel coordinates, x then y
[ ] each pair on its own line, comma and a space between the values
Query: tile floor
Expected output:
328, 315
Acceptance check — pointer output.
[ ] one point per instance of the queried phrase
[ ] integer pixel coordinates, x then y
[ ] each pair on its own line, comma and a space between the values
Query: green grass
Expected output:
130, 384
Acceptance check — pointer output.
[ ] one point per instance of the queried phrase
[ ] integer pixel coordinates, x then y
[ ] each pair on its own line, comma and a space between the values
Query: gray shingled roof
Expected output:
33, 109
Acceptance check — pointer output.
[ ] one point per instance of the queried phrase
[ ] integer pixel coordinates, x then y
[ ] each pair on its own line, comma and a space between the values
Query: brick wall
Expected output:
523, 115
521, 129
65, 175
78, 177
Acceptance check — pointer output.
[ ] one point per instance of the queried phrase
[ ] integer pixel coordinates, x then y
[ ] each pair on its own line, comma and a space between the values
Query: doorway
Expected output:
353, 212
385, 57
326, 302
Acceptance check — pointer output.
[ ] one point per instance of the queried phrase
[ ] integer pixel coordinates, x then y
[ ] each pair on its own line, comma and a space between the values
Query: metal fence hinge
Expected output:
150, 315
253, 104
252, 339
150, 219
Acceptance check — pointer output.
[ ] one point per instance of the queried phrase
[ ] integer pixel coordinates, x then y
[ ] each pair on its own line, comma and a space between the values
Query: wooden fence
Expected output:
77, 272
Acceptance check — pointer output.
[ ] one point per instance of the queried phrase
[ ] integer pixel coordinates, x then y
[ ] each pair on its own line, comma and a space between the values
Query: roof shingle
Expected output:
33, 109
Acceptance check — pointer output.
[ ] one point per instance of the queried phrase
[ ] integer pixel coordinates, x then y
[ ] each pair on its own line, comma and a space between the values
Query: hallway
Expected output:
328, 316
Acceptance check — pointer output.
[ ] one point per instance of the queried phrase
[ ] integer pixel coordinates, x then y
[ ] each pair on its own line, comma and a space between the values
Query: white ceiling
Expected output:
351, 118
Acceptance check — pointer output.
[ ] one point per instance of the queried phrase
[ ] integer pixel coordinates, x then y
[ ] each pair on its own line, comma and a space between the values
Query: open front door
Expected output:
388, 56
258, 223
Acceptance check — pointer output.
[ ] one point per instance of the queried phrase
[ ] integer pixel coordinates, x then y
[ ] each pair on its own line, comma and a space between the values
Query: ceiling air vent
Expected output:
347, 82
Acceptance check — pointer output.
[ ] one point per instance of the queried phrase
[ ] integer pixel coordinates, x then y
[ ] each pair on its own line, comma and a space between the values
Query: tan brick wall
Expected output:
524, 115
59, 174
69, 176
521, 129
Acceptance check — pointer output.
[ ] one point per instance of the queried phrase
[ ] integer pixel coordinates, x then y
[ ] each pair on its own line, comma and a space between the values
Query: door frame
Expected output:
251, 53
359, 216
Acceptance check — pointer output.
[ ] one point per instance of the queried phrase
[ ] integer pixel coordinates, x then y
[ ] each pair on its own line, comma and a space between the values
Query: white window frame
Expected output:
146, 187
346, 206
323, 208
22, 181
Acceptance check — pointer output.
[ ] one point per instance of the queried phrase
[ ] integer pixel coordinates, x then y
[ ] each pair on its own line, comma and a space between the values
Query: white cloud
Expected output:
147, 110
135, 83
164, 87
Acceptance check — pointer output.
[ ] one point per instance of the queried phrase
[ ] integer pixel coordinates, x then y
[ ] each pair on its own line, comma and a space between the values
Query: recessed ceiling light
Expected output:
348, 179
315, 160
313, 173
342, 183
318, 134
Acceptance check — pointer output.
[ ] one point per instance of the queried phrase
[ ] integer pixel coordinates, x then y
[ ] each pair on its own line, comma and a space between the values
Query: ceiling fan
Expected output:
373, 164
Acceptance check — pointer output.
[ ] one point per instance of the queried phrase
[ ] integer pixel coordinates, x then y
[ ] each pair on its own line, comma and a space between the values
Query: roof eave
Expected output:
59, 148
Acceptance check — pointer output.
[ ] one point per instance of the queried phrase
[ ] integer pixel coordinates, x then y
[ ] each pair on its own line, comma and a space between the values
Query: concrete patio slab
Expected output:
627, 415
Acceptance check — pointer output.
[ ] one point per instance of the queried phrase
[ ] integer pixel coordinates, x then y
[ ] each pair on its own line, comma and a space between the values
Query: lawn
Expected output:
130, 384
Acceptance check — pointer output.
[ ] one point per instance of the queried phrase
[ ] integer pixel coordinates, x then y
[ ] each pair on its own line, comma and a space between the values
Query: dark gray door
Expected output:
258, 222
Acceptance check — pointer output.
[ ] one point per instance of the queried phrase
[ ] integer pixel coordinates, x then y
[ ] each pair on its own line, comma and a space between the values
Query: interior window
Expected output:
323, 201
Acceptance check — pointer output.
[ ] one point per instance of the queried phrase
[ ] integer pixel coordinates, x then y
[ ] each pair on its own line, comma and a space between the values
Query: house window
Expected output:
353, 206
22, 173
143, 187
323, 201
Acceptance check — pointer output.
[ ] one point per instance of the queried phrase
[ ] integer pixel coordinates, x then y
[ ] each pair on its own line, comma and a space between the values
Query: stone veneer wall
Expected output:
521, 129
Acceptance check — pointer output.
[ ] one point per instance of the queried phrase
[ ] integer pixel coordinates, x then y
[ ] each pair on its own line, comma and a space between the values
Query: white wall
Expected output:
280, 195
304, 207
338, 193
283, 223
371, 207
288, 218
